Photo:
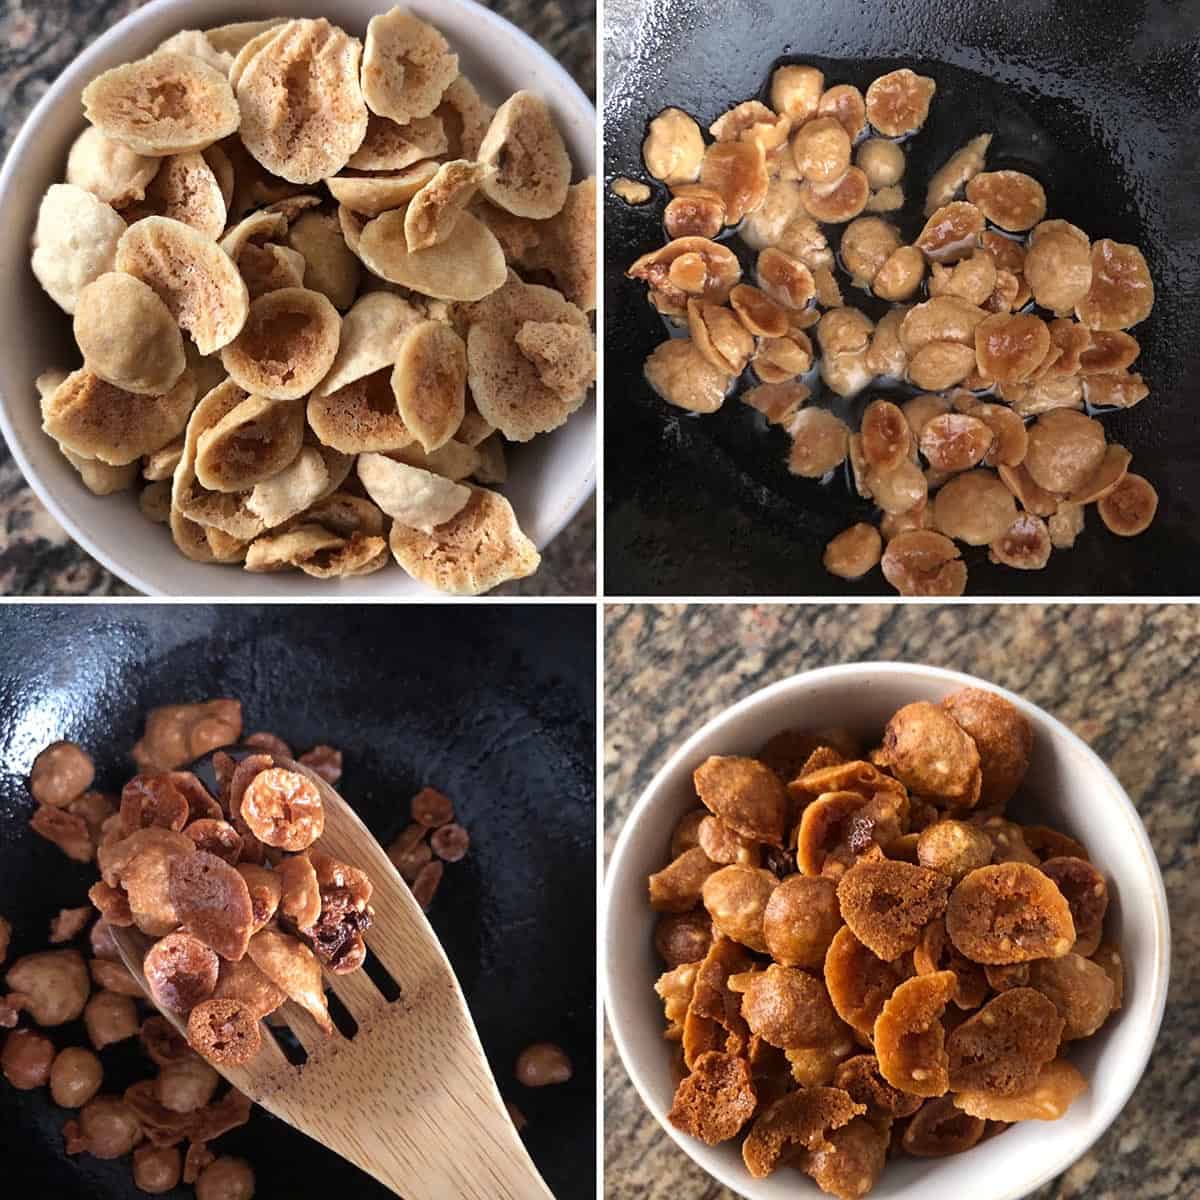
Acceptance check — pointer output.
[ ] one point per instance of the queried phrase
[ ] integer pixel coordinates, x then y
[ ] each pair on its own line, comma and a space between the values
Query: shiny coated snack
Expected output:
864, 954
1015, 322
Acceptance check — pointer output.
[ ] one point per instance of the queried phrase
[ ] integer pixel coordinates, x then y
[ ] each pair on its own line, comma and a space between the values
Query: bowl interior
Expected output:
550, 477
1067, 787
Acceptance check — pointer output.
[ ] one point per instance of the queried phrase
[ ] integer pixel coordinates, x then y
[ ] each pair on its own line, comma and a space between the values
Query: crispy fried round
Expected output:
185, 189
736, 898
791, 1009
254, 439
898, 102
859, 1077
931, 754
683, 937
98, 420
940, 1129
527, 168
109, 170
1010, 199
910, 1038
287, 345
1009, 913
244, 982
1065, 450
1025, 544
1081, 991
859, 983
193, 276
799, 1119
212, 901
75, 241
142, 864
302, 108
1087, 893
153, 800
407, 66
127, 336
955, 441
921, 562
181, 971
225, 1032
839, 201
330, 267
1121, 293
468, 265
300, 898
715, 1100
1047, 1098
1130, 507
746, 794
951, 232
165, 104
284, 809
480, 547
1010, 346
1002, 1047
1058, 267
851, 1162
800, 921
954, 848
1003, 736
293, 968
887, 903
217, 837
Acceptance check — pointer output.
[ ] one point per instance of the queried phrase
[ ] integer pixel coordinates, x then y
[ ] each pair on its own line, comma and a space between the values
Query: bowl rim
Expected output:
80, 69
771, 694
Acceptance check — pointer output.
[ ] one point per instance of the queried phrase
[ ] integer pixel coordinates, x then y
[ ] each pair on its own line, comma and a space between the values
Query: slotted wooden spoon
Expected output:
410, 1098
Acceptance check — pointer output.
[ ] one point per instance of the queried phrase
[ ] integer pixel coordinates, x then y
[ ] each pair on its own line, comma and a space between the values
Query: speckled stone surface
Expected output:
1125, 678
38, 38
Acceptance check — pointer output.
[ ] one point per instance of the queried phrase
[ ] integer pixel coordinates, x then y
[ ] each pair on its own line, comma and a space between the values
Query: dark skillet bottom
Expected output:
496, 707
1094, 107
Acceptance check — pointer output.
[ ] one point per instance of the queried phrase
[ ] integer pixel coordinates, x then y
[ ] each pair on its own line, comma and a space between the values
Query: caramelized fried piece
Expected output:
1046, 1099
860, 1078
293, 968
800, 921
683, 938
886, 904
799, 1119
283, 809
791, 1009
736, 898
1080, 989
213, 902
920, 562
931, 754
1002, 735
180, 971
954, 848
715, 1100
1002, 1047
910, 1038
935, 952
940, 1129
1121, 293
898, 102
859, 984
1086, 892
747, 795
1009, 913
1130, 507
224, 1031
677, 887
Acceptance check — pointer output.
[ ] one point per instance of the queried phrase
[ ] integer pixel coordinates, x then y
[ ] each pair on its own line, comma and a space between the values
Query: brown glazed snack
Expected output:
866, 955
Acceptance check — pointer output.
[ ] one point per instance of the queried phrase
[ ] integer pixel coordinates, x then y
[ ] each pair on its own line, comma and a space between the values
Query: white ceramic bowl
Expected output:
1067, 787
549, 478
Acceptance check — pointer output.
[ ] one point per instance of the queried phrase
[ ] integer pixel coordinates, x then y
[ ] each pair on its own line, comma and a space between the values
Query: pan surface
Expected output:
497, 710
1097, 101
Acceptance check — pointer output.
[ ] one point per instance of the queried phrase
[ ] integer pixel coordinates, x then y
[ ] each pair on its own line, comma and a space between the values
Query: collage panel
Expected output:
349, 853
892, 303
889, 900
304, 305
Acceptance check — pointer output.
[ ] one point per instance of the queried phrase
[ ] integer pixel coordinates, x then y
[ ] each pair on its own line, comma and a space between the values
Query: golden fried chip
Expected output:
301, 104
416, 498
292, 490
434, 211
330, 267
375, 194
113, 173
476, 550
372, 333
192, 275
127, 336
164, 104
430, 381
76, 240
186, 190
407, 66
529, 168
360, 416
252, 441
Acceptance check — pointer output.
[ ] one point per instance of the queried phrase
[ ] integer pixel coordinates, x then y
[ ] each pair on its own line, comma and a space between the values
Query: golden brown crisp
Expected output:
224, 1031
715, 1100
1081, 991
527, 168
284, 809
747, 795
931, 754
860, 1078
212, 902
1130, 507
940, 1128
181, 971
886, 904
800, 1119
1009, 913
851, 1163
954, 848
910, 1038
791, 1009
1047, 1098
920, 562
1086, 892
1002, 1047
800, 921
407, 66
736, 898
1002, 735
859, 984
683, 937
60, 773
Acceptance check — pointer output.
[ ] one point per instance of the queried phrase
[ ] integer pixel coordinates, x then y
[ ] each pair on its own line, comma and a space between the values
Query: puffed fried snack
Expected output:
858, 963
284, 248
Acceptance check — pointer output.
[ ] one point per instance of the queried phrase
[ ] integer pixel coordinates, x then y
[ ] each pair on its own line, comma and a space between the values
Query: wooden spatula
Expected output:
410, 1098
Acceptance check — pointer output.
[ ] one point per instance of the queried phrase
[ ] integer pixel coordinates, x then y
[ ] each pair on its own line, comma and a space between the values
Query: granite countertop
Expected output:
38, 38
1125, 678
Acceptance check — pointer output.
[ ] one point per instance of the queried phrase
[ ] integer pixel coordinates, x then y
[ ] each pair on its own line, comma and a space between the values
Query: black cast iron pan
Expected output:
497, 709
1098, 100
